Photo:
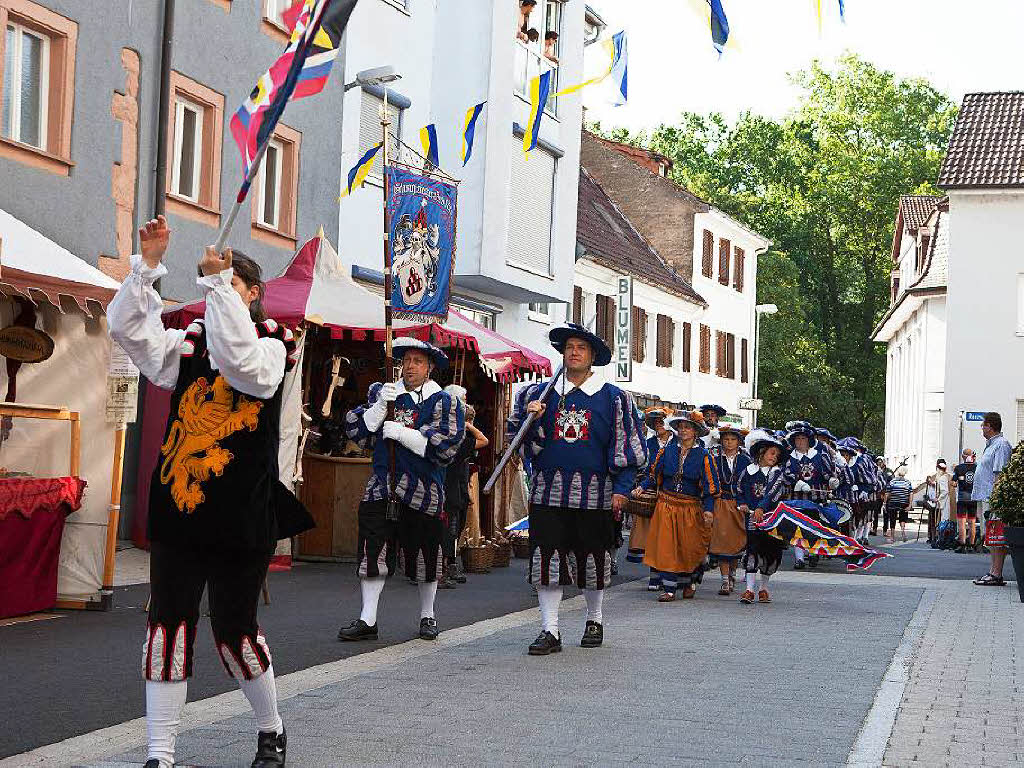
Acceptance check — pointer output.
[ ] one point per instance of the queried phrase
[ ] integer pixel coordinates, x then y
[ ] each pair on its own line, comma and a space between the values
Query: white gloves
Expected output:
801, 486
374, 416
409, 438
833, 483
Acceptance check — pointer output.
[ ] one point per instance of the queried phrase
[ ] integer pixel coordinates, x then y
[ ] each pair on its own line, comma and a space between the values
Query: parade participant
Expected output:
586, 445
861, 469
456, 491
427, 430
654, 419
813, 473
764, 552
216, 505
963, 476
712, 414
685, 477
881, 478
729, 530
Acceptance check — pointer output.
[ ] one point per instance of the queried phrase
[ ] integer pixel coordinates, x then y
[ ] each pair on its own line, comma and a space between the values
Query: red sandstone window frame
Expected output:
285, 234
205, 209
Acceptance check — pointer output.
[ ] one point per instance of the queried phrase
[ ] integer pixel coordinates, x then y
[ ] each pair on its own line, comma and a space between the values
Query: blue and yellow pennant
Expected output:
469, 131
540, 87
361, 170
428, 136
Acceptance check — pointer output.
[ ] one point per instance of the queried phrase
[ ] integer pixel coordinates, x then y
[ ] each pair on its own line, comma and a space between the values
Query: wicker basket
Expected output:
521, 547
477, 559
642, 506
502, 555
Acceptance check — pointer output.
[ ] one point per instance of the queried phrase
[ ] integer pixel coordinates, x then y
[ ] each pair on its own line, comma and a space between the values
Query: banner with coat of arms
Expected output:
422, 213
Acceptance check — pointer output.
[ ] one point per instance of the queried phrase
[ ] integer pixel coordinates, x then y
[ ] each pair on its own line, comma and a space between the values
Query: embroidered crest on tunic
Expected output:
572, 424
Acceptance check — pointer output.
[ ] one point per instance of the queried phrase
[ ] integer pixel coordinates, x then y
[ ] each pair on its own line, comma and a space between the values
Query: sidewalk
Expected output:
840, 670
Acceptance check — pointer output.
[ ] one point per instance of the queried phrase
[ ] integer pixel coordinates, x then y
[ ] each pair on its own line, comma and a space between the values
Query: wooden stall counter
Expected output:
332, 488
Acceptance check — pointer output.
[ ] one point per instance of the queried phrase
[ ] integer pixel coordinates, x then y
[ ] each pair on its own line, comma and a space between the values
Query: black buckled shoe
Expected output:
799, 565
154, 763
812, 560
545, 643
270, 749
428, 629
358, 630
593, 635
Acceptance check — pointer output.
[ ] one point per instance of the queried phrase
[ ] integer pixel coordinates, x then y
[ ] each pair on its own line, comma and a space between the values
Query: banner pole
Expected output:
385, 123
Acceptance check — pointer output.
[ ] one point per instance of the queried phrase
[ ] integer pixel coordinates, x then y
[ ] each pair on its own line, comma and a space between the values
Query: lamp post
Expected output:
760, 309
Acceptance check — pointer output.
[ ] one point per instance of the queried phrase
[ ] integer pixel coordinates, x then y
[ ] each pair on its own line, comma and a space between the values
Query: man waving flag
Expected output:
316, 27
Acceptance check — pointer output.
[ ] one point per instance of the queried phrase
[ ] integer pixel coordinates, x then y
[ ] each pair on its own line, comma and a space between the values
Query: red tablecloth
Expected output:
32, 512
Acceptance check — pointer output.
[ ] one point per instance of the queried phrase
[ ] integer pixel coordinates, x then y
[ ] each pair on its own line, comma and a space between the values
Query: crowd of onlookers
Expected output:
527, 33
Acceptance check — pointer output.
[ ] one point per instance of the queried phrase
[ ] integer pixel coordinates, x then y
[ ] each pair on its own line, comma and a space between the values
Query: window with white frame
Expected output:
188, 149
540, 311
269, 186
369, 126
274, 10
26, 85
480, 317
531, 208
534, 57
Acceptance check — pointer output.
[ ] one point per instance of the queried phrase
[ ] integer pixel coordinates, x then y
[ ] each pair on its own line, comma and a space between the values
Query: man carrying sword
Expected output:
586, 444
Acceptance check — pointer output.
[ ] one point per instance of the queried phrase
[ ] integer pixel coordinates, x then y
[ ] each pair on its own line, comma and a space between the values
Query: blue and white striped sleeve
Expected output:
355, 425
533, 442
445, 431
779, 484
628, 450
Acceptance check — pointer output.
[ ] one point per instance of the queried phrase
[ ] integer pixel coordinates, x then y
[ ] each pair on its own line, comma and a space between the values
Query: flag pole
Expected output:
243, 193
389, 377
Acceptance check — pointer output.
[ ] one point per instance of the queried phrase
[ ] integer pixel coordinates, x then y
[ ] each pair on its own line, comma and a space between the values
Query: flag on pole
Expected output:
842, 10
540, 87
361, 170
316, 27
719, 26
428, 136
469, 131
613, 64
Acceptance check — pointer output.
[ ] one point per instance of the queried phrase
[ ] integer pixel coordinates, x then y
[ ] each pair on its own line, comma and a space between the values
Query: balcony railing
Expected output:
530, 63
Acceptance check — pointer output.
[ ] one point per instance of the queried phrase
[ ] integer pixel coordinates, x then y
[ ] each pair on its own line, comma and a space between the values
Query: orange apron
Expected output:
639, 533
729, 531
679, 537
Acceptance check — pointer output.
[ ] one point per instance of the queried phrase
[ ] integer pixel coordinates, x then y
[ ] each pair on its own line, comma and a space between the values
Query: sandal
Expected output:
667, 597
747, 597
763, 596
725, 588
989, 580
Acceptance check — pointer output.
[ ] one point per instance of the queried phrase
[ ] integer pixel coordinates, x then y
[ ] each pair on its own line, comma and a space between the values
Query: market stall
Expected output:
342, 354
52, 310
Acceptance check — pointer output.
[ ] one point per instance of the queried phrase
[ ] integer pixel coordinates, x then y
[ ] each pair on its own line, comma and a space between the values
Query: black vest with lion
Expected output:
216, 480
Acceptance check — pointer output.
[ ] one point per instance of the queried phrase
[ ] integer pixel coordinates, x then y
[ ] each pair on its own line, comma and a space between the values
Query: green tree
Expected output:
823, 184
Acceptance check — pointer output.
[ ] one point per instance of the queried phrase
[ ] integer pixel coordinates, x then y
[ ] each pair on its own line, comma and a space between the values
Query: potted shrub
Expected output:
1007, 501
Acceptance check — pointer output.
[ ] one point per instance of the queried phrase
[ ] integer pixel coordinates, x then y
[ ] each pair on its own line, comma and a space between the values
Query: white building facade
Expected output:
516, 218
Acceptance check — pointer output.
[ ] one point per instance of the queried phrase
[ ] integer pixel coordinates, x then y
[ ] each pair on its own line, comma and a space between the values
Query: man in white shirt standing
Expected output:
997, 454
216, 505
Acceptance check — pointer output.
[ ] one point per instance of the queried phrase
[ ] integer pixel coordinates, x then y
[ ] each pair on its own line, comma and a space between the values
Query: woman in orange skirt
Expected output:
680, 530
729, 531
654, 419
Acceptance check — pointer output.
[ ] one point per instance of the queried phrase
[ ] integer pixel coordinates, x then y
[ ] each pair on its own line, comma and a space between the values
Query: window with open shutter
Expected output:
605, 323
719, 353
639, 334
739, 265
705, 349
744, 365
724, 248
666, 341
577, 305
687, 331
730, 356
707, 264
531, 197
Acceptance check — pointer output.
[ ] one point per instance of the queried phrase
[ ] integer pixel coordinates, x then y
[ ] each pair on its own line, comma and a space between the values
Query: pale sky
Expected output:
959, 45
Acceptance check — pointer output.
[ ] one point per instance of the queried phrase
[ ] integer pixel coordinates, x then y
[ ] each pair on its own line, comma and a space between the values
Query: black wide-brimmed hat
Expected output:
733, 429
759, 439
400, 346
561, 334
651, 415
714, 408
805, 428
694, 418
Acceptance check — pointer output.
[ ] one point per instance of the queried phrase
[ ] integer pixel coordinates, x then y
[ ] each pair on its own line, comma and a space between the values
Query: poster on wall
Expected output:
422, 213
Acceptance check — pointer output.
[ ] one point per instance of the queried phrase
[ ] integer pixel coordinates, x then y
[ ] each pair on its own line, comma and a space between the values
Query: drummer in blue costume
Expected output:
687, 484
759, 488
586, 445
812, 471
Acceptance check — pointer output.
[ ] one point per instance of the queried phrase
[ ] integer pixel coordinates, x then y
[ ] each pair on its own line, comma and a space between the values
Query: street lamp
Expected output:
375, 76
760, 309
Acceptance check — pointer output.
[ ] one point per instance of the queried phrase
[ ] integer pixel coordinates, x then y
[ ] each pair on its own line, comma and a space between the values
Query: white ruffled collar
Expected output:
590, 387
428, 390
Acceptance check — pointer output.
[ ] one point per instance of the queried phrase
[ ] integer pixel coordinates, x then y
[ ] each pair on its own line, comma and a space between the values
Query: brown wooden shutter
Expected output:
744, 365
730, 361
738, 269
687, 330
719, 353
705, 349
609, 321
639, 334
577, 305
707, 264
724, 248
666, 340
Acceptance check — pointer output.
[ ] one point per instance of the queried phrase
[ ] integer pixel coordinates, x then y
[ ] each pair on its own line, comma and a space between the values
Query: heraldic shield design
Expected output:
572, 424
423, 214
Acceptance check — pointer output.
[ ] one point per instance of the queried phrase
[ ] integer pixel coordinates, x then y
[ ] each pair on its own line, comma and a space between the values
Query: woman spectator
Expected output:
897, 505
943, 482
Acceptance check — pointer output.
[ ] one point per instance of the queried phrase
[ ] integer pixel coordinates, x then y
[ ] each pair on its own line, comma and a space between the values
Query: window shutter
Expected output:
606, 328
577, 305
369, 124
666, 334
705, 349
531, 195
724, 247
687, 329
730, 351
744, 369
639, 334
707, 264
738, 268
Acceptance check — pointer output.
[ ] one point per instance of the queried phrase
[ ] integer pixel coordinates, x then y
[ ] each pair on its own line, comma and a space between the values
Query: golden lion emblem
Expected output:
206, 415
